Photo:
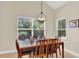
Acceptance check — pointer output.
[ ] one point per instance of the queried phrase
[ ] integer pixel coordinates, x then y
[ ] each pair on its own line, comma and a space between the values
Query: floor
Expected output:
14, 55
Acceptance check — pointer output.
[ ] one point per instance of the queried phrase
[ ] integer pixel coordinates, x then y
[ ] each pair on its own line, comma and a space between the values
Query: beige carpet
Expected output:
14, 55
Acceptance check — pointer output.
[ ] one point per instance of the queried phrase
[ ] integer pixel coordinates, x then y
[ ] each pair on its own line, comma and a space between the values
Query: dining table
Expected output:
32, 46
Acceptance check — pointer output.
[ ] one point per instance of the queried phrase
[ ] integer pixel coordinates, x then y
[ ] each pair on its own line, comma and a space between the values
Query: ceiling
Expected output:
56, 4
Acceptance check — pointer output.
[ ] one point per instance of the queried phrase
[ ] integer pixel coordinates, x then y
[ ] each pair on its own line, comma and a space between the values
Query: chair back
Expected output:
53, 44
53, 41
41, 48
41, 42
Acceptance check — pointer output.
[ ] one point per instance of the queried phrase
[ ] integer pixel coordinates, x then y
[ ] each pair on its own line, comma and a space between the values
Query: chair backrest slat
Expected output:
41, 48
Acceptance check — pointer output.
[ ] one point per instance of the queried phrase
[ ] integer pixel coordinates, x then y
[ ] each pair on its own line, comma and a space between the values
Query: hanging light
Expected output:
41, 16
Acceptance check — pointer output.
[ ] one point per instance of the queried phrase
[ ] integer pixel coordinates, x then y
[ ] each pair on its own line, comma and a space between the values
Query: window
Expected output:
29, 27
61, 28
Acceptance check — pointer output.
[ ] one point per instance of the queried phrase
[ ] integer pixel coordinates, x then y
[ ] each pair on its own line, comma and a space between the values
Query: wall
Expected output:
8, 20
70, 11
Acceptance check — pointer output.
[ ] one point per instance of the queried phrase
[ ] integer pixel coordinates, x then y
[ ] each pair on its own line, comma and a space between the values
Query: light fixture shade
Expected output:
41, 16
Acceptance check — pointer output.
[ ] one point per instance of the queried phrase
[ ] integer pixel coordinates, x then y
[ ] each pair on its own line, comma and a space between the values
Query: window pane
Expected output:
27, 33
38, 25
62, 33
28, 26
24, 22
39, 33
35, 24
41, 25
62, 24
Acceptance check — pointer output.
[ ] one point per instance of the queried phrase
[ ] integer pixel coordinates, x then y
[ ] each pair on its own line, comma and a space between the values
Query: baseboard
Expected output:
8, 51
71, 52
67, 50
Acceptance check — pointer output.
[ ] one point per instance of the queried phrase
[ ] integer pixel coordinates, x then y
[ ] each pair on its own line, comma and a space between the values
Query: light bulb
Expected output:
41, 19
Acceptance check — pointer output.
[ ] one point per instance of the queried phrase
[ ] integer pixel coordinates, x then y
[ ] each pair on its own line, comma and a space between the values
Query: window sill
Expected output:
63, 38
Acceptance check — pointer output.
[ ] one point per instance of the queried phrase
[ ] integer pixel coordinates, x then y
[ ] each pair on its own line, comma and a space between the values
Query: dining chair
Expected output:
53, 47
41, 49
21, 52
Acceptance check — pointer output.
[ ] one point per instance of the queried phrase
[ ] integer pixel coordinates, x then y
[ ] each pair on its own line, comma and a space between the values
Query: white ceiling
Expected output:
56, 4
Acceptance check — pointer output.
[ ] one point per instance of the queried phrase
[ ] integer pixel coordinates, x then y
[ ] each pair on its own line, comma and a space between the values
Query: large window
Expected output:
29, 27
61, 28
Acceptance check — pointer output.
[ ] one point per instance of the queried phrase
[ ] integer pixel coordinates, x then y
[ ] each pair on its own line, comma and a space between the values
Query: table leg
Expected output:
62, 50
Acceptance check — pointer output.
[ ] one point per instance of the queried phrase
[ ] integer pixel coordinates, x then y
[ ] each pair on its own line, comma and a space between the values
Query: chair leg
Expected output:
47, 56
42, 56
52, 54
31, 55
19, 56
56, 55
59, 51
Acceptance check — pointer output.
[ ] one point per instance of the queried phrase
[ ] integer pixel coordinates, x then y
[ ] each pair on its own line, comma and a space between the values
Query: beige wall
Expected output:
8, 20
70, 11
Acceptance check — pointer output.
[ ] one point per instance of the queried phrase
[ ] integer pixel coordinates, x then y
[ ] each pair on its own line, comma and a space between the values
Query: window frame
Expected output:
64, 37
32, 29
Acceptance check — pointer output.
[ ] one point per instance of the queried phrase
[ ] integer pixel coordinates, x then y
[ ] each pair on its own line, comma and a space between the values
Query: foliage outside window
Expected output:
29, 27
62, 28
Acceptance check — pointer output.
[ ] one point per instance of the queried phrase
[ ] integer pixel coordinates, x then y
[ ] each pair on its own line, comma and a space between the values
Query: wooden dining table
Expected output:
34, 46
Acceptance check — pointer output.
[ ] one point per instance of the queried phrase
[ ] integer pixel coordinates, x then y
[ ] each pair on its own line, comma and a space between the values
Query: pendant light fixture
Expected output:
41, 17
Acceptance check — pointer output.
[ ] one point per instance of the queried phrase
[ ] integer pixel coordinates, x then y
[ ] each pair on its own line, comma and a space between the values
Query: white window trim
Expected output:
32, 33
63, 38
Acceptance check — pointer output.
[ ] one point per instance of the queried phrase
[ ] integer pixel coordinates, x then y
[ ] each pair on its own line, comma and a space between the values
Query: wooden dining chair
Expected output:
53, 47
21, 52
41, 49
